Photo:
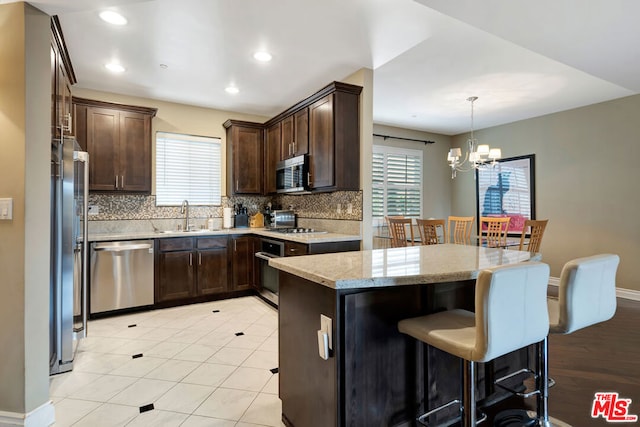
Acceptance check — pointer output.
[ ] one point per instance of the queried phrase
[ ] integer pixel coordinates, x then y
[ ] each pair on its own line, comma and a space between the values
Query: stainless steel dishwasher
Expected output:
121, 275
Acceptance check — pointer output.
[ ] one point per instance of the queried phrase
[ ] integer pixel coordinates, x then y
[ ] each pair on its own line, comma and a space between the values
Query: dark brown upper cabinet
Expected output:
326, 126
118, 139
62, 77
334, 141
272, 155
244, 157
295, 135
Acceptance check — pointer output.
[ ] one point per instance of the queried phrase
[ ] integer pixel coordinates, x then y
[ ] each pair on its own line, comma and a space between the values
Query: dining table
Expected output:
510, 242
342, 360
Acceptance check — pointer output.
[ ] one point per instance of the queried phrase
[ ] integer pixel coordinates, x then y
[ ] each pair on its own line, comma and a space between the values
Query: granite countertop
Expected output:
310, 238
399, 266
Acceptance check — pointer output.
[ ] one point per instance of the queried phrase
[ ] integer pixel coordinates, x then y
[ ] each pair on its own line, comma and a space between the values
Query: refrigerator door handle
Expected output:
84, 158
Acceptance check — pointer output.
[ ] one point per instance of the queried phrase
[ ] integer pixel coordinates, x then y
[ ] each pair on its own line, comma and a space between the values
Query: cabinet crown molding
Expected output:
105, 104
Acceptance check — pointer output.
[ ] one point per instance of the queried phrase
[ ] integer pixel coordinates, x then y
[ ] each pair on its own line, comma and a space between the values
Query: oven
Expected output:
269, 275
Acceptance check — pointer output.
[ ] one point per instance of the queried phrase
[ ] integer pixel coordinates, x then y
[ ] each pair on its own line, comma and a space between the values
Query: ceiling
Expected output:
522, 59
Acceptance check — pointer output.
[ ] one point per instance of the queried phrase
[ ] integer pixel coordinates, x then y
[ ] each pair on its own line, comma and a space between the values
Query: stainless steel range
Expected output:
299, 230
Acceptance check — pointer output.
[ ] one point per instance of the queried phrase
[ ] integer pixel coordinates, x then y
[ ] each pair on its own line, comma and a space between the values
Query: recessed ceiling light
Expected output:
113, 17
262, 56
232, 89
164, 66
115, 67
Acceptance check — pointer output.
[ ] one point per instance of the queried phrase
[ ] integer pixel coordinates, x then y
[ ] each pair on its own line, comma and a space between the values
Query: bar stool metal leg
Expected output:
543, 383
469, 394
542, 399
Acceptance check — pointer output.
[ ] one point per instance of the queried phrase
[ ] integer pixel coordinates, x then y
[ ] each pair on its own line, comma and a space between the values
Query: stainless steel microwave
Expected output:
292, 175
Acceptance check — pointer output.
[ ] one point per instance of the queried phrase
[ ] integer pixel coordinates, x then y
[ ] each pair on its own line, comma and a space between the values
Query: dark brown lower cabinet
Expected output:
188, 267
174, 276
212, 266
244, 265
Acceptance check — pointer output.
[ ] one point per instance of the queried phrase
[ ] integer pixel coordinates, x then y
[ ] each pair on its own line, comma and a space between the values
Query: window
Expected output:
188, 168
397, 182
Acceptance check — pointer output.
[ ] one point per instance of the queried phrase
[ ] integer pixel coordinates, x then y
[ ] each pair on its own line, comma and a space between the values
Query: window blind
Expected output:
397, 182
189, 168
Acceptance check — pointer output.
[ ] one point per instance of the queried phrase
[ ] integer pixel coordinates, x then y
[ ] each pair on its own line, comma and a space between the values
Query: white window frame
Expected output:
187, 161
386, 150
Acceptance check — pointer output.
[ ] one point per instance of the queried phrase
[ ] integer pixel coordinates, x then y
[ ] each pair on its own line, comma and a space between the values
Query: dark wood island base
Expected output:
375, 376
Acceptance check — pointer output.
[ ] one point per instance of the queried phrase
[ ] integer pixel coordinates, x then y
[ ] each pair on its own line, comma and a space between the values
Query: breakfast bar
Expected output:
372, 374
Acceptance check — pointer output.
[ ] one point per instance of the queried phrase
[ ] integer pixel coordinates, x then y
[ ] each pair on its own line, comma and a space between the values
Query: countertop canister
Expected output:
227, 218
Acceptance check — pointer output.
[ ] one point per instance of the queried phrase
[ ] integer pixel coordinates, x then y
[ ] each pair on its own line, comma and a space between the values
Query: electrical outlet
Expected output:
339, 208
94, 209
350, 208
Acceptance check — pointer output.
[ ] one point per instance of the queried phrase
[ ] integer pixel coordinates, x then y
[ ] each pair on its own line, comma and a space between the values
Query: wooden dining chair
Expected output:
535, 234
428, 229
496, 232
461, 229
398, 231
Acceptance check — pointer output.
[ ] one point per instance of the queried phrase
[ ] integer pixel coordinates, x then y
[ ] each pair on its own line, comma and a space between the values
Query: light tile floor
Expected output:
195, 369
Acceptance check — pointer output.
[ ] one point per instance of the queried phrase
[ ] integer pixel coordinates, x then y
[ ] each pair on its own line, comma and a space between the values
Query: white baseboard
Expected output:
620, 292
43, 415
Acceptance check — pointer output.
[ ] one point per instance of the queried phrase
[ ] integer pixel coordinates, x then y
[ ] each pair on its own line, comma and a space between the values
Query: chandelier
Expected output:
476, 155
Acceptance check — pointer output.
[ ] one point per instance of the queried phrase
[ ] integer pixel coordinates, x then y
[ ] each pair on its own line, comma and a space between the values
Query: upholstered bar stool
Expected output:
586, 296
510, 313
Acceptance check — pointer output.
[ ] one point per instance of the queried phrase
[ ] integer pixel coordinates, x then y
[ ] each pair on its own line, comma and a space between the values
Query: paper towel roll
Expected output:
227, 218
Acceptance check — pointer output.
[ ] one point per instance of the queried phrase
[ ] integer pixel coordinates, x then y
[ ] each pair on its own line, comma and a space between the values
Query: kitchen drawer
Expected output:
211, 242
294, 249
175, 244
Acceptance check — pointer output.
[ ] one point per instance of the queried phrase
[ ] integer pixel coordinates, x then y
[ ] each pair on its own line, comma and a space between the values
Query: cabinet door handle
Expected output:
190, 259
237, 184
199, 258
121, 181
309, 179
294, 147
116, 182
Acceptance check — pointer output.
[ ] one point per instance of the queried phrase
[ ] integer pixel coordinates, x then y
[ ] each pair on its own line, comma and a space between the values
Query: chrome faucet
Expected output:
185, 210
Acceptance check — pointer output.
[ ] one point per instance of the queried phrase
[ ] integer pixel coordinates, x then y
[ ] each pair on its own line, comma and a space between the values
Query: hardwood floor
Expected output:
601, 358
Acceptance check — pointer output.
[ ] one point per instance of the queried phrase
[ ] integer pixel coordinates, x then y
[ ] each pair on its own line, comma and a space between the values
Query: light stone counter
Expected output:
399, 266
309, 239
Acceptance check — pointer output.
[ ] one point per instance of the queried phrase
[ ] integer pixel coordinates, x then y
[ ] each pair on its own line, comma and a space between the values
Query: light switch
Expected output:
6, 209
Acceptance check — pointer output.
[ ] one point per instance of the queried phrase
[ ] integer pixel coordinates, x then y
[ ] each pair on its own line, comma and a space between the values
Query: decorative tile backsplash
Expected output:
112, 207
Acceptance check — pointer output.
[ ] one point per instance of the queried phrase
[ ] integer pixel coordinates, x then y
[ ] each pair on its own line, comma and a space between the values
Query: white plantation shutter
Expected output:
188, 168
397, 182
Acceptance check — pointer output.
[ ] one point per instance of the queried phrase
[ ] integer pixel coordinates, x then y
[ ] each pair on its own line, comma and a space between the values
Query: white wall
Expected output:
587, 181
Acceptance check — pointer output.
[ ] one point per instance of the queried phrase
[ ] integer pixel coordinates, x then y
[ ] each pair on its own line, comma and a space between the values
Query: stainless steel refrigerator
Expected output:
69, 252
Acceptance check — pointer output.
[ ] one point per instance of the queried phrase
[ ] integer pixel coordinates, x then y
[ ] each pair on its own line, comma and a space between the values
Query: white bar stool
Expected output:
586, 296
510, 313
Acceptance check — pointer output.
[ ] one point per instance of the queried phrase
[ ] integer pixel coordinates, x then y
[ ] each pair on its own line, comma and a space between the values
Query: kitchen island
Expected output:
375, 375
